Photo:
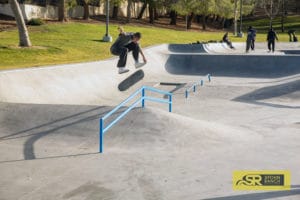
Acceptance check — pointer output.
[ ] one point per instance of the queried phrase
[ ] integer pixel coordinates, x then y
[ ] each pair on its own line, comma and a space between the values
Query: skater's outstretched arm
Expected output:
143, 55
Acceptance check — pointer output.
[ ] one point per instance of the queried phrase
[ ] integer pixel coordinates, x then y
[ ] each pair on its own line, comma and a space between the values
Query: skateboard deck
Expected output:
131, 80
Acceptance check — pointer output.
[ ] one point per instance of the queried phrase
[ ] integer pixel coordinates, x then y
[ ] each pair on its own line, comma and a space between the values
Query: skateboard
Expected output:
131, 80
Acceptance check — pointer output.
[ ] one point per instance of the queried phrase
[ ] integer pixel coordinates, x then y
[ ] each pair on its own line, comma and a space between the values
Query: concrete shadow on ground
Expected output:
64, 121
272, 92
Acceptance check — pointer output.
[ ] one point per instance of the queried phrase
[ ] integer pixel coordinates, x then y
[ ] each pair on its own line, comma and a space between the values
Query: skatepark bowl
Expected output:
246, 118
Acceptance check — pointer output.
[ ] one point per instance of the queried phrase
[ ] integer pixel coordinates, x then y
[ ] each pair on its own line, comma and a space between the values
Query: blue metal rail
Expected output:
193, 87
141, 99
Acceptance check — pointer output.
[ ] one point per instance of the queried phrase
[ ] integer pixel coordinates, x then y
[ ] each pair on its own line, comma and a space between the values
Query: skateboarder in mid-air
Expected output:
271, 39
125, 43
251, 36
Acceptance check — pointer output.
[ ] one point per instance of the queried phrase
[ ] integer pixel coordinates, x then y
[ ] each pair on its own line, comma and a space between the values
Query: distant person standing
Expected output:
271, 39
251, 36
293, 37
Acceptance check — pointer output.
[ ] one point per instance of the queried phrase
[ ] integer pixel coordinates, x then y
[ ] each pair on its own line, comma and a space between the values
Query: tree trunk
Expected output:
115, 12
173, 16
151, 14
235, 17
222, 24
282, 15
189, 21
217, 18
155, 13
142, 11
61, 11
86, 13
24, 40
204, 22
129, 11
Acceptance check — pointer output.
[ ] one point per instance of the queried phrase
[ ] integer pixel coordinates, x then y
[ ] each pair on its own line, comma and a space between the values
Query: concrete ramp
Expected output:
96, 83
187, 48
233, 65
246, 118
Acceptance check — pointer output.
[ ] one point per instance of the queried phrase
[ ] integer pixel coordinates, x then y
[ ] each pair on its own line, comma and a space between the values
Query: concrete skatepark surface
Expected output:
243, 120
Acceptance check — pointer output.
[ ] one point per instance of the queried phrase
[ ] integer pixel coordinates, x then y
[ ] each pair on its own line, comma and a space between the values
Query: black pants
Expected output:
271, 45
248, 44
123, 51
252, 44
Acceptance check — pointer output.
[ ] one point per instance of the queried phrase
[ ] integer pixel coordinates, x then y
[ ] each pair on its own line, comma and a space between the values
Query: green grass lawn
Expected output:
79, 42
262, 25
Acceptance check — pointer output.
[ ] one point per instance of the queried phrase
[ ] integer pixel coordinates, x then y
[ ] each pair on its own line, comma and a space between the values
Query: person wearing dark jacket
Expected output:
251, 36
293, 37
271, 39
125, 43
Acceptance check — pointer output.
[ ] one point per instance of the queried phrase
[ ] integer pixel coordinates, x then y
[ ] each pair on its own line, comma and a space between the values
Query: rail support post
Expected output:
101, 136
143, 97
201, 82
194, 88
209, 78
170, 103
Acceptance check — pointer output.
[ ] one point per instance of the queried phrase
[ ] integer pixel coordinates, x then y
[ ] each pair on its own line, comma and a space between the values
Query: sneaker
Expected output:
138, 64
123, 70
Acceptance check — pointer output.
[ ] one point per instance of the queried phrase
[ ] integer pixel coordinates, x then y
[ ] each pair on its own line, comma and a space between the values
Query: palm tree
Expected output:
24, 40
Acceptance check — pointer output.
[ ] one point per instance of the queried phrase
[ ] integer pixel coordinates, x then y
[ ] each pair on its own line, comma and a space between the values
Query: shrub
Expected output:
35, 22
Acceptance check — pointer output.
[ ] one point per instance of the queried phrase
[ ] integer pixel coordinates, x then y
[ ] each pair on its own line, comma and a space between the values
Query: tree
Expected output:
186, 8
199, 7
173, 16
272, 8
224, 9
151, 9
235, 16
153, 6
151, 13
142, 9
129, 11
64, 5
168, 5
86, 9
116, 6
24, 40
247, 8
61, 11
207, 8
283, 14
